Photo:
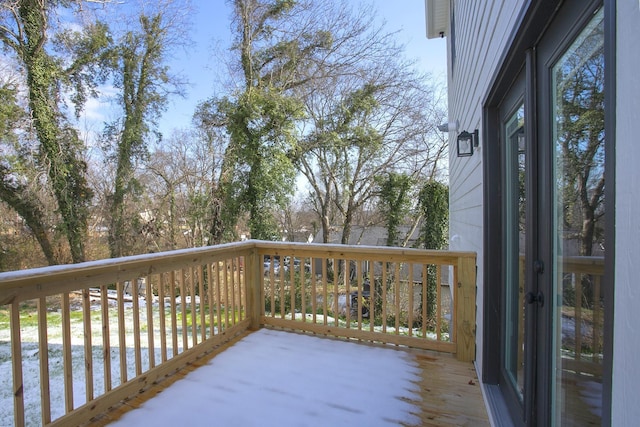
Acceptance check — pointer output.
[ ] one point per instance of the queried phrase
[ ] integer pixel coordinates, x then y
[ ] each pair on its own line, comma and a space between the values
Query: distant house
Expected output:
544, 103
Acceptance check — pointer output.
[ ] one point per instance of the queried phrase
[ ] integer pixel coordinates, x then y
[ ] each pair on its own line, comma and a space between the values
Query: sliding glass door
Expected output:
550, 231
515, 251
578, 231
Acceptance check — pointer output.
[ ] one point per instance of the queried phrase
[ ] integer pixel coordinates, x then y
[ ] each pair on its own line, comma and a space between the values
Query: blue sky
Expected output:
211, 28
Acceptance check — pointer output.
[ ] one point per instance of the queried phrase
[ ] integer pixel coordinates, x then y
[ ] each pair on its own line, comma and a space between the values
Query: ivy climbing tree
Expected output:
394, 203
56, 63
274, 51
434, 204
143, 81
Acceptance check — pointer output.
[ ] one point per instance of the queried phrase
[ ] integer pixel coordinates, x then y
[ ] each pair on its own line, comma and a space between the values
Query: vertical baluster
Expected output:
106, 337
438, 302
282, 285
360, 299
578, 315
137, 347
161, 318
396, 284
313, 283
597, 318
183, 309
218, 296
384, 296
336, 297
202, 304
88, 353
229, 270
174, 315
410, 308
325, 302
425, 300
240, 291
303, 290
16, 365
192, 284
262, 302
66, 353
150, 328
453, 331
43, 355
225, 281
122, 333
372, 295
292, 286
210, 296
347, 278
242, 288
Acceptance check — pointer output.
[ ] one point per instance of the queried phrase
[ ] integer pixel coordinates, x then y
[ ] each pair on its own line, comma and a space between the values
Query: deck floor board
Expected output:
445, 392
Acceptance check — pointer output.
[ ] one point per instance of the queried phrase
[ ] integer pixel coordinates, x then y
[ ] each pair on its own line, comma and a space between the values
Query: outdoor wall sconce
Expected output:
522, 141
466, 142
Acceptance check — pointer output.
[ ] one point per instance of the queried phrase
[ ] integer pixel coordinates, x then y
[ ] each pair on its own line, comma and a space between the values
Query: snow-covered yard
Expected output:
31, 366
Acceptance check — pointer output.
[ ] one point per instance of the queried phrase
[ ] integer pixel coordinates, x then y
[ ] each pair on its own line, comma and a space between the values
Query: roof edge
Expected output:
437, 18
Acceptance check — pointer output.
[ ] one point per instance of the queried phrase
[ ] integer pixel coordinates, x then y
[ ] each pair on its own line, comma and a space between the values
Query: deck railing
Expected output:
583, 313
399, 296
79, 339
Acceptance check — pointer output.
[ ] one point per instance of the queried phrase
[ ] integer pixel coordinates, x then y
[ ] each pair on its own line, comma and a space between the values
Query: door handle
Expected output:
538, 266
534, 297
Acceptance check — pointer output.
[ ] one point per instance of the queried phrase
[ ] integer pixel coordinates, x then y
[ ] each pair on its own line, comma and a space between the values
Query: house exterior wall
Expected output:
626, 335
482, 30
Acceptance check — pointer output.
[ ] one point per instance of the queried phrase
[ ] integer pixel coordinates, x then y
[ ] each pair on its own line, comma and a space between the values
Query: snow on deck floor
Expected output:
276, 378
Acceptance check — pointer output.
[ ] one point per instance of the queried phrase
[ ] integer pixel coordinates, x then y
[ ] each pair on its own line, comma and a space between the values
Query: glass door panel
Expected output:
515, 234
579, 229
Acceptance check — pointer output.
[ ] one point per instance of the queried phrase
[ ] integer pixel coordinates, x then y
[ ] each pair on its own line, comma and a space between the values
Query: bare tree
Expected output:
178, 176
364, 124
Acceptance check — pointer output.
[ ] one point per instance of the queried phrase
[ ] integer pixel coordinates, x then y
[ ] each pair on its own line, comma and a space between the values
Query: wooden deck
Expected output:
449, 392
184, 305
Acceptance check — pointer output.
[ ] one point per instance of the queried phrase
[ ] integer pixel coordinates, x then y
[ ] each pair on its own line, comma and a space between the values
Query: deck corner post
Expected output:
253, 284
465, 303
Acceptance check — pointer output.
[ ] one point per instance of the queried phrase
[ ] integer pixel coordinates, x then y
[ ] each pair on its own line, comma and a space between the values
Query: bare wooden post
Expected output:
16, 364
253, 283
465, 303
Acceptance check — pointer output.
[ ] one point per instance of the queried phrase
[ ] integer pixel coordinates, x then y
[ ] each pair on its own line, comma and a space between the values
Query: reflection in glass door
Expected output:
579, 229
515, 229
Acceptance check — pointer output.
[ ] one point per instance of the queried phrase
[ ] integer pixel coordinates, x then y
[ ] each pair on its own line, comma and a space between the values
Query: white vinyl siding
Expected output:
626, 373
482, 30
480, 25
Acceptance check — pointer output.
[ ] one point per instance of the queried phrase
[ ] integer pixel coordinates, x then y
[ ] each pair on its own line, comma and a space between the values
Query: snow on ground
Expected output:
275, 378
31, 366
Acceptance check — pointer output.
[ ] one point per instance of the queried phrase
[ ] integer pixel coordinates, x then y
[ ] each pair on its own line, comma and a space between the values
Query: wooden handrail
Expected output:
400, 269
131, 321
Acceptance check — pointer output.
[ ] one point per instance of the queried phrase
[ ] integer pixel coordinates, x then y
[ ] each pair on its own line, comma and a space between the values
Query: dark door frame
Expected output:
520, 57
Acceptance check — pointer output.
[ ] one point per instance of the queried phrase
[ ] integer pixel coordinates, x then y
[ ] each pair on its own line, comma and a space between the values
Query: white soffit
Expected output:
437, 17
